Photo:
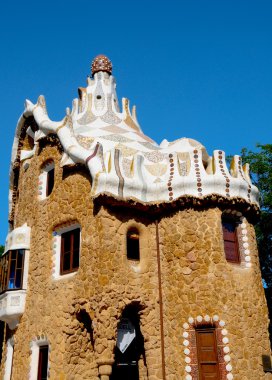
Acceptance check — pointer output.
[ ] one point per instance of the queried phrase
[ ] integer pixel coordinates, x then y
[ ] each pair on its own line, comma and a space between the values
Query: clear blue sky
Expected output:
199, 69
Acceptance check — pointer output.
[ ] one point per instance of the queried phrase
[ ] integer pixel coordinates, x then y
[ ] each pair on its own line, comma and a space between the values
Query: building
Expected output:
127, 259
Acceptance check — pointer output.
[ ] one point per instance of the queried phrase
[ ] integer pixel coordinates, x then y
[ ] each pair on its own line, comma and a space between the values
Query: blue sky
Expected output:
199, 69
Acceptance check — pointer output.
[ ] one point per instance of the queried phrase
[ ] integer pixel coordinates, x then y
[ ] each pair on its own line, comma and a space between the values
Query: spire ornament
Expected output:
101, 63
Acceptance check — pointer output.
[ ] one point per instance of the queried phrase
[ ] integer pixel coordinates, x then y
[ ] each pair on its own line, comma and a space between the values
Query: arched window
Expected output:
231, 246
133, 244
47, 179
129, 346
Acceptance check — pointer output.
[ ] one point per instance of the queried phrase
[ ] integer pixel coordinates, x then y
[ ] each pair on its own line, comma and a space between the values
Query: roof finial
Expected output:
101, 63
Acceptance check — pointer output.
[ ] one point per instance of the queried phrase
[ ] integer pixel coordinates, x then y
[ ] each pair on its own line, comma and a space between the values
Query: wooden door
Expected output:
207, 354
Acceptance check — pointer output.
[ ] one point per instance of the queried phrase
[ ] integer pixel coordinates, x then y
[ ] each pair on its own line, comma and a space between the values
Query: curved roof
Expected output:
127, 164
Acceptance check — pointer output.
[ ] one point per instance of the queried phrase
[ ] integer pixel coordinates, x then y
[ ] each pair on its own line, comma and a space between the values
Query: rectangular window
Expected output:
231, 246
43, 363
70, 244
207, 354
11, 270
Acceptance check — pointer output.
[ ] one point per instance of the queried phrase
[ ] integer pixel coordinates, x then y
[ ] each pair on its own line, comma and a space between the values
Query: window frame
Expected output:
41, 361
57, 234
5, 272
71, 251
235, 241
46, 188
35, 345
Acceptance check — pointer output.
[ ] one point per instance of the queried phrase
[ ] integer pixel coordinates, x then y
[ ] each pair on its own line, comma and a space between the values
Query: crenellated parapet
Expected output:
123, 162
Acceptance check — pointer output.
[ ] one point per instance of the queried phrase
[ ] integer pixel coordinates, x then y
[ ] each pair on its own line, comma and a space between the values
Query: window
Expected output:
50, 181
133, 246
207, 353
70, 243
43, 363
46, 179
231, 246
39, 362
11, 270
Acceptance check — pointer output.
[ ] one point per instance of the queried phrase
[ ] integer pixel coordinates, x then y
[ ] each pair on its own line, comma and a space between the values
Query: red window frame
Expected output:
12, 270
43, 362
70, 249
231, 245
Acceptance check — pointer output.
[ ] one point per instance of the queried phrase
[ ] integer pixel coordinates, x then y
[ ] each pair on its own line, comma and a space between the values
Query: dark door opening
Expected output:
125, 366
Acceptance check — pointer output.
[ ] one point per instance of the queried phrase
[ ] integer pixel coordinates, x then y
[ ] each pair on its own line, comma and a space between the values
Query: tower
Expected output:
127, 259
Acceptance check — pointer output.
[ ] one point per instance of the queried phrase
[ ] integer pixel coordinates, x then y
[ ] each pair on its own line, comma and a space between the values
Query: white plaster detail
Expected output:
229, 376
185, 326
188, 368
11, 310
9, 359
188, 377
43, 178
224, 332
94, 122
187, 351
19, 238
186, 342
207, 318
215, 318
229, 367
199, 318
187, 360
191, 320
34, 360
185, 334
226, 349
225, 340
227, 358
222, 323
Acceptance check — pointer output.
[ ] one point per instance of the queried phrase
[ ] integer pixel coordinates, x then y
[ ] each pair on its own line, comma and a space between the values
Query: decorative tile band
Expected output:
171, 176
190, 349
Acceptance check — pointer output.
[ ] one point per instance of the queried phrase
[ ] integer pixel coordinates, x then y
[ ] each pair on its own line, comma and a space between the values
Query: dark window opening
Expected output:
126, 361
231, 245
43, 363
50, 181
133, 245
70, 244
12, 270
207, 353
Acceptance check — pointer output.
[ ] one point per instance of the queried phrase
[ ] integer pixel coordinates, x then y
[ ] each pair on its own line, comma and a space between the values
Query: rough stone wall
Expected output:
196, 280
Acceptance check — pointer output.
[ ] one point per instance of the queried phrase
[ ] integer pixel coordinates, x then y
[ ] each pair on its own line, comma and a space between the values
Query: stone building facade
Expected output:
127, 259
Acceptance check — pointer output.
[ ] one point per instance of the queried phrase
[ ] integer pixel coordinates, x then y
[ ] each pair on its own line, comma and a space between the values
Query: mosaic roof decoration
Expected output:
125, 162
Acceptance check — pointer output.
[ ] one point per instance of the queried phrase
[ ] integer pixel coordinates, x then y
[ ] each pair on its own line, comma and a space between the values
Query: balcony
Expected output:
12, 306
13, 276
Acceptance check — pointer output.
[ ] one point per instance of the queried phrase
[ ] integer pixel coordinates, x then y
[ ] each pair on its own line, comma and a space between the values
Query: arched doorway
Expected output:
129, 347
